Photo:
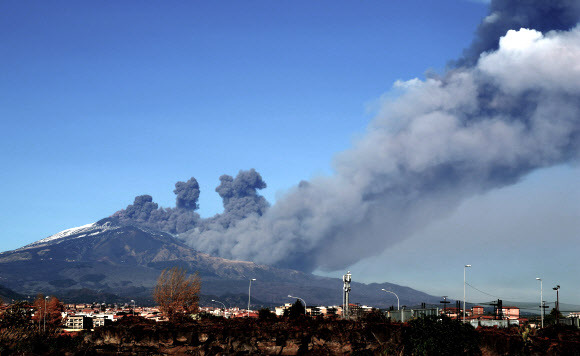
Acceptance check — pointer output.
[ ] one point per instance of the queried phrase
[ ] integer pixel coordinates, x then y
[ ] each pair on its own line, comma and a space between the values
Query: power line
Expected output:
510, 301
495, 296
479, 290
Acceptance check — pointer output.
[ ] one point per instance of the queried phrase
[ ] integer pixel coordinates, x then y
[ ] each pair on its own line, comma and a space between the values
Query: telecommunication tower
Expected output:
345, 296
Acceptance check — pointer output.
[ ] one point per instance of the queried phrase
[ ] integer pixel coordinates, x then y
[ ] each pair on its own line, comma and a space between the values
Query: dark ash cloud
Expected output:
187, 194
240, 195
145, 212
240, 199
511, 105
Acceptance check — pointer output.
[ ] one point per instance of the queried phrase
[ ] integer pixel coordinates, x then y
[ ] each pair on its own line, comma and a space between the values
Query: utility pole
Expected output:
498, 309
541, 301
557, 289
445, 302
464, 283
494, 305
544, 307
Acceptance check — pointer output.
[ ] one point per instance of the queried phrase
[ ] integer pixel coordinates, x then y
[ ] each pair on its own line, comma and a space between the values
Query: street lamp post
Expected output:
464, 268
45, 299
541, 301
398, 304
388, 291
289, 296
249, 293
217, 301
557, 289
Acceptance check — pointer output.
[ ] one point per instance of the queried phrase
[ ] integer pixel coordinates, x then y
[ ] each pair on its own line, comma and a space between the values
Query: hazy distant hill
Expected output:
7, 295
106, 260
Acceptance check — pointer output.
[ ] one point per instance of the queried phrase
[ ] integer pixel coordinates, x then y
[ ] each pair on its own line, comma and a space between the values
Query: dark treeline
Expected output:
267, 335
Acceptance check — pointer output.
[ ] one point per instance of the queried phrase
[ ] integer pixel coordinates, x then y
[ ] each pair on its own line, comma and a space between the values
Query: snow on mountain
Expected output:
73, 233
126, 261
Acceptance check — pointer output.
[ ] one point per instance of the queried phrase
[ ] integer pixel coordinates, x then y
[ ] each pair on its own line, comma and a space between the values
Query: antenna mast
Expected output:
345, 296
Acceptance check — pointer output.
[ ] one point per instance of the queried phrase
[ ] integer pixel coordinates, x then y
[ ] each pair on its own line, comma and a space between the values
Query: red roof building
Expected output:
477, 310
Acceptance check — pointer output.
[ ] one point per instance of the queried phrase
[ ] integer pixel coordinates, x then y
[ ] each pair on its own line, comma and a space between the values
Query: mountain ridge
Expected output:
126, 260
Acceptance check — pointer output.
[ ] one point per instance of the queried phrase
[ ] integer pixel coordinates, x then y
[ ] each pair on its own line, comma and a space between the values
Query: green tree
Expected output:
295, 311
552, 317
375, 316
266, 314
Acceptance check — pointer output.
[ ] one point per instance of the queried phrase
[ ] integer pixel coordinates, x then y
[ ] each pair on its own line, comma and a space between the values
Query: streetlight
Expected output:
557, 289
388, 291
132, 301
289, 296
217, 301
541, 301
249, 293
45, 299
464, 268
398, 308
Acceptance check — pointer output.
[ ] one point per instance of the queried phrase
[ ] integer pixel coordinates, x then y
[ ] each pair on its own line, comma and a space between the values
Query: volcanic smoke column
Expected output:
509, 106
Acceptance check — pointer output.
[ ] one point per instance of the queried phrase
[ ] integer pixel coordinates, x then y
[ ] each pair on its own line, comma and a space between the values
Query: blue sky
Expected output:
103, 101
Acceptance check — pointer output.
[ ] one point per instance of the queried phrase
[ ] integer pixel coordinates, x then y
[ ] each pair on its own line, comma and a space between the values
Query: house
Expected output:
315, 311
454, 313
79, 322
478, 310
101, 321
280, 310
512, 313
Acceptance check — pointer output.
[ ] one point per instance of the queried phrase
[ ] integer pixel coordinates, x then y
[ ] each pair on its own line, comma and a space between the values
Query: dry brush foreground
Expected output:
212, 336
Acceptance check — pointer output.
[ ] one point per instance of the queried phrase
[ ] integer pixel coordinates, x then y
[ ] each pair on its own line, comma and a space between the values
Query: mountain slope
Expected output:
7, 295
124, 260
